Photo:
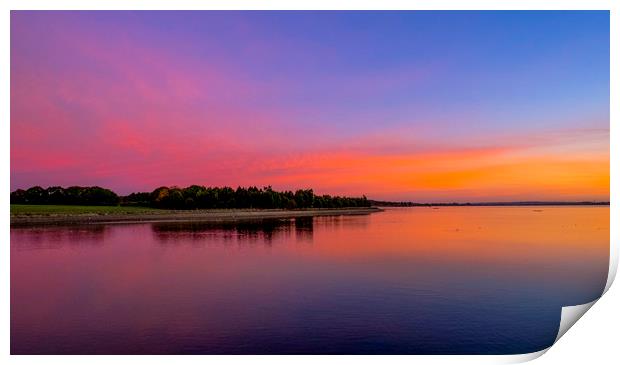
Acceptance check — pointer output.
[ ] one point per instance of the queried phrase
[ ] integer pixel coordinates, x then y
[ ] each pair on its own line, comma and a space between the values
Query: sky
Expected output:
418, 105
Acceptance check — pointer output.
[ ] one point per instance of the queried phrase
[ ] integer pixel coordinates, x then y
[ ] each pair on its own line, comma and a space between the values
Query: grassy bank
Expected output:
75, 214
26, 210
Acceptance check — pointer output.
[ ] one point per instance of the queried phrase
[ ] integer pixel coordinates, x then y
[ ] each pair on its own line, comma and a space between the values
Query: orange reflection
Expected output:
489, 234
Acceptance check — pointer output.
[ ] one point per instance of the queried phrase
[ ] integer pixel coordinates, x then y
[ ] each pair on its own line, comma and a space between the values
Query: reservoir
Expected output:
421, 280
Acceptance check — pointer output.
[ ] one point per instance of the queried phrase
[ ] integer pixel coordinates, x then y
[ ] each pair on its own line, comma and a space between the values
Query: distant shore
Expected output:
378, 203
25, 218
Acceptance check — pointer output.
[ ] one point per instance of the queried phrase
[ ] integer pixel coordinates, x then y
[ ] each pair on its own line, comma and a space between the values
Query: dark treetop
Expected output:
192, 197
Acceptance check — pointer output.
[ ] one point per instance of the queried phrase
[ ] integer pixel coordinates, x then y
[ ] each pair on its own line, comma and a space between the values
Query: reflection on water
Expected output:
243, 232
405, 281
56, 237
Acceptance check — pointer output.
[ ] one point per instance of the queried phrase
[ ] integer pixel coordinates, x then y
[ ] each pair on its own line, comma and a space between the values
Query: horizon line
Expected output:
491, 203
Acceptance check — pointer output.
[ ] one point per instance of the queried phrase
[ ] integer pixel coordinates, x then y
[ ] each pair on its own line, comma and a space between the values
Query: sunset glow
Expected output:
471, 106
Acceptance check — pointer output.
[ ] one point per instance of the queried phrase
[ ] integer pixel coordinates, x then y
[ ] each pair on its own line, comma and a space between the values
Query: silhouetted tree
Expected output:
74, 195
18, 197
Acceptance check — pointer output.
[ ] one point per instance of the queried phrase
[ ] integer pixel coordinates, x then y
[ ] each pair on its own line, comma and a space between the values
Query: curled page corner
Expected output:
521, 358
613, 266
570, 315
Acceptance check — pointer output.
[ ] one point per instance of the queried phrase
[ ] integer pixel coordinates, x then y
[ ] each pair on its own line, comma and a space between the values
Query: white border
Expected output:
8, 5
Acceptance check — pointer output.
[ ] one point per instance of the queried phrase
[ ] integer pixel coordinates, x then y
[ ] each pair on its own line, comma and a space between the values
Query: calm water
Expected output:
454, 280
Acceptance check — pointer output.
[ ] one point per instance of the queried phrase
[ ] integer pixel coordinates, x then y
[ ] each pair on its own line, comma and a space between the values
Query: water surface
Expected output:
452, 280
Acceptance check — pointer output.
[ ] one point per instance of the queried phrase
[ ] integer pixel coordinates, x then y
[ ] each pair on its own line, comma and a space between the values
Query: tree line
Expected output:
191, 197
73, 195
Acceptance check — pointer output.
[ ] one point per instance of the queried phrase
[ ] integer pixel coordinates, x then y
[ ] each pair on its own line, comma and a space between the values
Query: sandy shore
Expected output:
184, 216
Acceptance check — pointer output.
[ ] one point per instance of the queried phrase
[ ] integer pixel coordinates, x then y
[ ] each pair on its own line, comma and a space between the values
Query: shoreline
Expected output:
216, 215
